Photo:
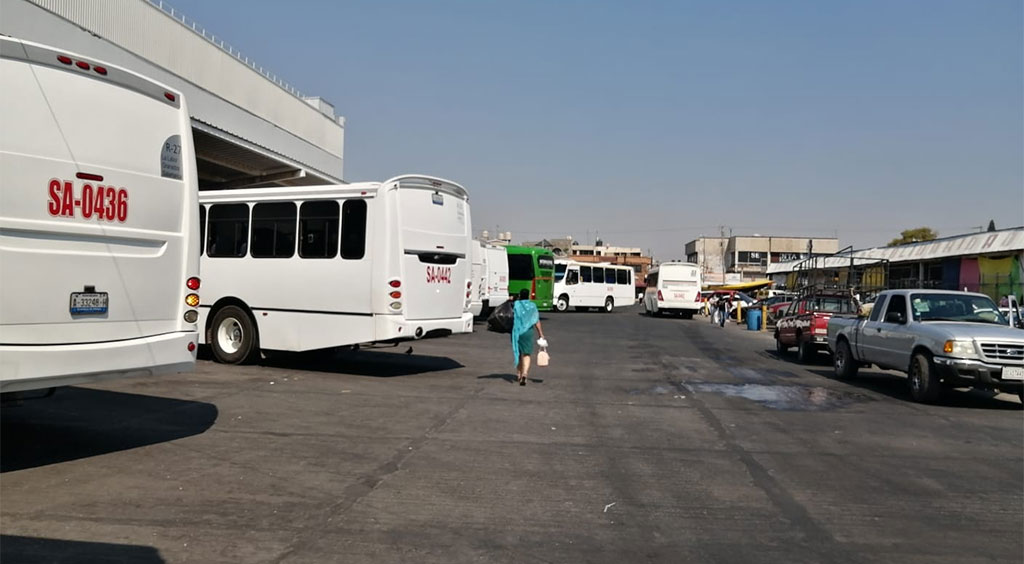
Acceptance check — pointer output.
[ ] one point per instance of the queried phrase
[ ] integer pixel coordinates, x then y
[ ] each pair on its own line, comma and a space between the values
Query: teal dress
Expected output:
526, 316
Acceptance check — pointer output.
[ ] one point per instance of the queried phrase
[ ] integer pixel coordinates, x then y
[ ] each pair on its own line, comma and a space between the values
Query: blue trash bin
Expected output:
754, 319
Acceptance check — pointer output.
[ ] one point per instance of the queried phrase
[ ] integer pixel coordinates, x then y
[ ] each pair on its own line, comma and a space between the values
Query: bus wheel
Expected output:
609, 304
232, 336
562, 304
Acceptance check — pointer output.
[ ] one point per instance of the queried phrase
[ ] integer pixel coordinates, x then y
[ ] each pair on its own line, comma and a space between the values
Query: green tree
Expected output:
915, 235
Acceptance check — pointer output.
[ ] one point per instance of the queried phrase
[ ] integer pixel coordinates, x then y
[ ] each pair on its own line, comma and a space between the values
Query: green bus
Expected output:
532, 268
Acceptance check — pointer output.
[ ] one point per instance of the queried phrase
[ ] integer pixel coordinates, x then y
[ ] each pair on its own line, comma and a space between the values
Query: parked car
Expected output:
805, 323
771, 304
939, 338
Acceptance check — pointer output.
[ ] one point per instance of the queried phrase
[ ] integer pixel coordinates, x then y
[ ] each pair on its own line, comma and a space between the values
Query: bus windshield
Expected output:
559, 272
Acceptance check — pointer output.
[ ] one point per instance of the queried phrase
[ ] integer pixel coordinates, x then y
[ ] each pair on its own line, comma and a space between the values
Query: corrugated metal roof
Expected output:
994, 242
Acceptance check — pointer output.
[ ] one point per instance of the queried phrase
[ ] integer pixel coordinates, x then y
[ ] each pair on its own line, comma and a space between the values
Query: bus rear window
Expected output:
559, 272
353, 229
520, 267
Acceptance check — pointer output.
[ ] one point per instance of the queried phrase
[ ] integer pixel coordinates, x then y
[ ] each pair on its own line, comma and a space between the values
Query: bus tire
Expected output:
562, 303
609, 305
233, 338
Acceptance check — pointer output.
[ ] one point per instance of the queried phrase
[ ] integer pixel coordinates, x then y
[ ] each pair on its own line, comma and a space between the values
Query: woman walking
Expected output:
525, 318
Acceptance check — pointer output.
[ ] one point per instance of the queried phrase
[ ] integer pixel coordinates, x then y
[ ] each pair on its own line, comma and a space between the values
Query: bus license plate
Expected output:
89, 302
1013, 373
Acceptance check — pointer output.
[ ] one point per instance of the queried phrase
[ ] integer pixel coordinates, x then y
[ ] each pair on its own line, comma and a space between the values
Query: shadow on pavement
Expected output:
81, 422
895, 386
510, 378
33, 549
364, 362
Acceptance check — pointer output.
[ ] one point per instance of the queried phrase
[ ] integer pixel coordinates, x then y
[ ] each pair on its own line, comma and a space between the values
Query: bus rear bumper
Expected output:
397, 327
24, 368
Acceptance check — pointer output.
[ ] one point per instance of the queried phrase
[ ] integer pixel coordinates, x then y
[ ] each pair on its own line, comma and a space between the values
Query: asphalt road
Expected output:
647, 439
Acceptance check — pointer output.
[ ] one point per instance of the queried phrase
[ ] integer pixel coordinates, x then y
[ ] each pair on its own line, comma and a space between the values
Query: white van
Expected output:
317, 267
673, 287
587, 285
99, 234
490, 278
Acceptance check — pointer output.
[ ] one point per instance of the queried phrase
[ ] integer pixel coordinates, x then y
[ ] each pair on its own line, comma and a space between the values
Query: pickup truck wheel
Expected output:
804, 352
779, 347
846, 367
924, 383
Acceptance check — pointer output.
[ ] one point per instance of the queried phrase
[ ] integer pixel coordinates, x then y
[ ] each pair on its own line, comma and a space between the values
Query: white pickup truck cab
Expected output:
940, 338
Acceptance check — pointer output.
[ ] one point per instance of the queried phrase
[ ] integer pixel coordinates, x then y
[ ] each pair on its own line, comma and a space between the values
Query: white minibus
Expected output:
673, 287
99, 233
318, 267
490, 278
587, 285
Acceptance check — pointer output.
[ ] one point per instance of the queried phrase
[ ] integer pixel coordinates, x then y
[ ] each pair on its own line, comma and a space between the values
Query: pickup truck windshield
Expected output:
955, 307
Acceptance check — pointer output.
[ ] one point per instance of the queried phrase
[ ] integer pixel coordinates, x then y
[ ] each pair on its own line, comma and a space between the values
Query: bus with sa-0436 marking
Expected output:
319, 267
99, 230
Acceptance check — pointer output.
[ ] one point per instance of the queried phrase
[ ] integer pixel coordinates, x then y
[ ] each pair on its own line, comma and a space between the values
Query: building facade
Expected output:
991, 263
744, 258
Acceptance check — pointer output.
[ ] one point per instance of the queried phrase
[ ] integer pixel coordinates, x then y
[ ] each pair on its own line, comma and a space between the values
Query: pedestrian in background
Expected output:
525, 321
724, 307
713, 308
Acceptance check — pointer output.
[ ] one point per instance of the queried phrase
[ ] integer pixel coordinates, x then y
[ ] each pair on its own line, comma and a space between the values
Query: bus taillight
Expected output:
533, 290
192, 300
192, 283
395, 283
395, 295
660, 298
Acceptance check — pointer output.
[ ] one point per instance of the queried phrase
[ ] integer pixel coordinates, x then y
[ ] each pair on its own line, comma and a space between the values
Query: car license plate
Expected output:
84, 303
1013, 373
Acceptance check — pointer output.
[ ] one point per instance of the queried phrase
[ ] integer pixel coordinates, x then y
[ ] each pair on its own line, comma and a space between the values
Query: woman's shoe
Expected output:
522, 380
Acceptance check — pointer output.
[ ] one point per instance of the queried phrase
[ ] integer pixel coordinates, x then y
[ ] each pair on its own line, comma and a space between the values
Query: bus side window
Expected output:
586, 274
609, 275
622, 277
273, 230
572, 277
353, 229
318, 229
202, 229
228, 232
598, 275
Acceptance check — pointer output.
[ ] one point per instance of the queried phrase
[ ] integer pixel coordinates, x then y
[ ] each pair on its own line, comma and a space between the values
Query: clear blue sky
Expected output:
654, 122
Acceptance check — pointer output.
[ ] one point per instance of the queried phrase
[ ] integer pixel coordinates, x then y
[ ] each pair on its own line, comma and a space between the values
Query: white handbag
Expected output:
542, 357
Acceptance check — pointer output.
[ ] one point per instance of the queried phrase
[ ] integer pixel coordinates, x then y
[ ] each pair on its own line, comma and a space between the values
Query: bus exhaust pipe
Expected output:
419, 332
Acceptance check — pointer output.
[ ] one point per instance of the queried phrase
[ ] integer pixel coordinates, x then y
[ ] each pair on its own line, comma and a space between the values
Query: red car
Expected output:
805, 323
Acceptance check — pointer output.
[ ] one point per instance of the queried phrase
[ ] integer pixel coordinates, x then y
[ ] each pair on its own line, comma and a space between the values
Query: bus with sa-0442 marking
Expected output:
319, 267
99, 235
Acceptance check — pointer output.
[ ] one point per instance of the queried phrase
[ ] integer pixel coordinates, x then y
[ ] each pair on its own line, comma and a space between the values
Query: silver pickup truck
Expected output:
940, 338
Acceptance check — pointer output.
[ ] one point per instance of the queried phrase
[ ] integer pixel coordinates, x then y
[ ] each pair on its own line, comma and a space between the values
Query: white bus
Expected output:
673, 287
318, 267
490, 278
99, 234
587, 285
